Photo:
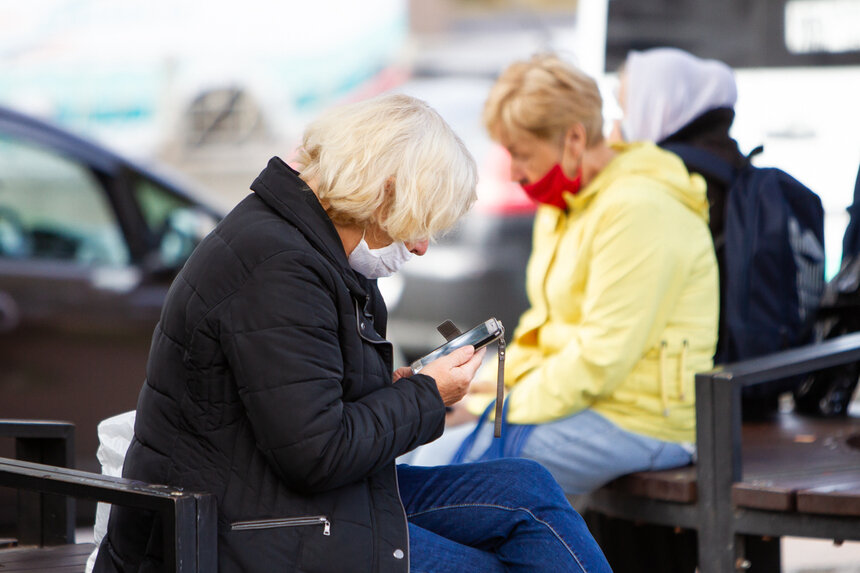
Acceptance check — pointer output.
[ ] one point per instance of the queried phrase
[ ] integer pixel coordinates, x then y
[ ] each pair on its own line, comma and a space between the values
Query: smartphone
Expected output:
479, 337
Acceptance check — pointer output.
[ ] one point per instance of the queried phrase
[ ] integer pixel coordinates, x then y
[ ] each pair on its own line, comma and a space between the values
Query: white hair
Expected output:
390, 161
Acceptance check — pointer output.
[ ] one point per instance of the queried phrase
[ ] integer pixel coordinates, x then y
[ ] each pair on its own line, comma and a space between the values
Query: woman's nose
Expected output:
518, 174
418, 247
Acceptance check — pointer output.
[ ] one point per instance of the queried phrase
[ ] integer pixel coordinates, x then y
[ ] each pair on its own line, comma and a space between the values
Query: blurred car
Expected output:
89, 244
476, 271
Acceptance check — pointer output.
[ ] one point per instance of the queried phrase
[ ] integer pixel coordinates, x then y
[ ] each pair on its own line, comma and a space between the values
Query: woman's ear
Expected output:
381, 214
574, 149
575, 139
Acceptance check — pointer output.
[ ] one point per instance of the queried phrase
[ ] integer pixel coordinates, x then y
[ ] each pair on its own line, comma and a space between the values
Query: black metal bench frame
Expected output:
47, 518
728, 535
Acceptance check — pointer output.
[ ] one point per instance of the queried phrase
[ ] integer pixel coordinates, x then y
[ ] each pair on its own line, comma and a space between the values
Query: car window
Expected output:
54, 208
178, 223
157, 204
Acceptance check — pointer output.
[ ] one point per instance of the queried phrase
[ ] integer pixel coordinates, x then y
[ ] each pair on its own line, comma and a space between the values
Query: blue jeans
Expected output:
501, 515
585, 451
582, 452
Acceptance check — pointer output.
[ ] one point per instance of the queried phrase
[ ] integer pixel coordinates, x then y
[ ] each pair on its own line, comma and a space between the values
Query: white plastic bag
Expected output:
114, 438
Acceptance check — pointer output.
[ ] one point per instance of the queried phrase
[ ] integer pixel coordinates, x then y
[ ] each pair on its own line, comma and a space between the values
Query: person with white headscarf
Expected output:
672, 97
665, 89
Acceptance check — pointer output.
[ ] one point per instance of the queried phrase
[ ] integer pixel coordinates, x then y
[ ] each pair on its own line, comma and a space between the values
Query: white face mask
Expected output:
378, 263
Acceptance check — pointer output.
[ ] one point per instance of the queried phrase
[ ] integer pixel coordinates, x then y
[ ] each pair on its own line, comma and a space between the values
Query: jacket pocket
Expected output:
283, 522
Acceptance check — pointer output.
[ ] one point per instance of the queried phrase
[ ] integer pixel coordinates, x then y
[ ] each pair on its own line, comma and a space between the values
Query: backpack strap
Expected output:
703, 162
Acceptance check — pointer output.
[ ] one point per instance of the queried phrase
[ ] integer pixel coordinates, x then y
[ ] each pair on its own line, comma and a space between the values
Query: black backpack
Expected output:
829, 392
773, 265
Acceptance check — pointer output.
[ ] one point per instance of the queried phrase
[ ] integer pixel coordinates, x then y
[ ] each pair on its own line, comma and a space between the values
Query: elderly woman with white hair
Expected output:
270, 381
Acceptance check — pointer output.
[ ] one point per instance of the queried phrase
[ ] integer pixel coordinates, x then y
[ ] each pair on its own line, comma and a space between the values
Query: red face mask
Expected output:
550, 188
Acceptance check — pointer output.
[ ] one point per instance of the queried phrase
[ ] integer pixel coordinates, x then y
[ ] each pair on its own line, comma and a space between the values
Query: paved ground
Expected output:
817, 556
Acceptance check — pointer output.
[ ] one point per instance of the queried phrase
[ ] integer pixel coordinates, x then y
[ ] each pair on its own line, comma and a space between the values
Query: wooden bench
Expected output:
753, 483
46, 536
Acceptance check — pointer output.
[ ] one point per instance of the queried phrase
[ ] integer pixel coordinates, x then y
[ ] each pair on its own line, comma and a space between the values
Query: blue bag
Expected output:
508, 445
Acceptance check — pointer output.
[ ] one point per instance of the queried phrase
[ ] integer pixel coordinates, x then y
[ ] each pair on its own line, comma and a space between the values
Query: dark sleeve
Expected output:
280, 335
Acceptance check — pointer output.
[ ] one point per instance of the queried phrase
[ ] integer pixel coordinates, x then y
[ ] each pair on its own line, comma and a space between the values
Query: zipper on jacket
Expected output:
682, 368
282, 522
405, 520
664, 394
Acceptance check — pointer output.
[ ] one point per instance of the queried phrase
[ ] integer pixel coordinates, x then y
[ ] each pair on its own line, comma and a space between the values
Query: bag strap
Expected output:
469, 441
500, 386
703, 162
707, 163
498, 404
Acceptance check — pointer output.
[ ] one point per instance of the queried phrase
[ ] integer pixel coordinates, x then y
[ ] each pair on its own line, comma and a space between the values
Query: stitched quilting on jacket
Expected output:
269, 385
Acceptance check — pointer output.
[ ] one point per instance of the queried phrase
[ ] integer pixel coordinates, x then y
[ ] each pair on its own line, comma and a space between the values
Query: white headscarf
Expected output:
667, 88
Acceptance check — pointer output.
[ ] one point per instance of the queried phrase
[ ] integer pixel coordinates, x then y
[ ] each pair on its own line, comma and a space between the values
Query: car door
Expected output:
88, 249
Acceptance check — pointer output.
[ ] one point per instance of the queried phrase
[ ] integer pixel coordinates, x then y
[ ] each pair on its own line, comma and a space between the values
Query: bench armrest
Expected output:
189, 519
718, 399
794, 362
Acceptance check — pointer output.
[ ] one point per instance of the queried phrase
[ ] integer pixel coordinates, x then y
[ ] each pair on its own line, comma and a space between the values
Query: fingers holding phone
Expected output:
401, 372
479, 336
453, 372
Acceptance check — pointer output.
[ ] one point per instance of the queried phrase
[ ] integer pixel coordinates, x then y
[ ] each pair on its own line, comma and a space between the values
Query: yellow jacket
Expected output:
624, 301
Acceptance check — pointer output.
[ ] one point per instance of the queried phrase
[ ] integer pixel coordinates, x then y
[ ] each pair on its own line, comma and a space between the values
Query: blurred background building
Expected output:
214, 90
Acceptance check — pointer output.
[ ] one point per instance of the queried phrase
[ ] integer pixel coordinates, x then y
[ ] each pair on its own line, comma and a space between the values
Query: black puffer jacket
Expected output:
269, 385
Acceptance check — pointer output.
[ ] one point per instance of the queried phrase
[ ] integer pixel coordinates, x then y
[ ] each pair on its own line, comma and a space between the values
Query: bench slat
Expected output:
793, 453
795, 445
677, 485
763, 495
838, 499
780, 457
781, 492
57, 558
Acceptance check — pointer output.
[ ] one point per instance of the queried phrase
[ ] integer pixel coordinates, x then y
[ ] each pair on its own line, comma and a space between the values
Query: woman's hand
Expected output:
402, 372
454, 372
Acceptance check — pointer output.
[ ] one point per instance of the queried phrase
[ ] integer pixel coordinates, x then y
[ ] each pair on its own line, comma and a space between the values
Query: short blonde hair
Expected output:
544, 96
391, 161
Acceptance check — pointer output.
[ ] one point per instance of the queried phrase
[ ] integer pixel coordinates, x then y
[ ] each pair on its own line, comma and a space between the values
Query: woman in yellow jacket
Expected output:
622, 283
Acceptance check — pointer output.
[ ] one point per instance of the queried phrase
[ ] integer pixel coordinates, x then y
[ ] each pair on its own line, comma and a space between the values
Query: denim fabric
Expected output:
582, 452
500, 515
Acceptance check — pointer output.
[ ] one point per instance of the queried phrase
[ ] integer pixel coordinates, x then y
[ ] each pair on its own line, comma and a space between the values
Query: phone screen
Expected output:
480, 336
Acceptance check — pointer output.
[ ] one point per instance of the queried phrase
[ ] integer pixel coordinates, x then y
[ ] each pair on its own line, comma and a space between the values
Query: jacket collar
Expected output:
643, 159
280, 187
